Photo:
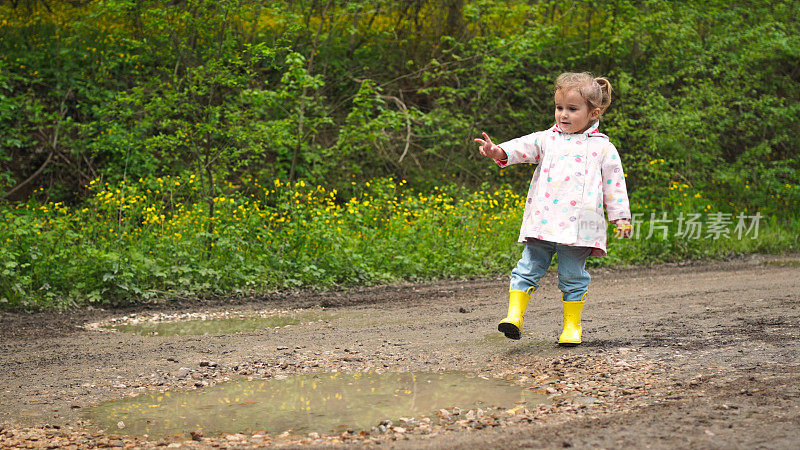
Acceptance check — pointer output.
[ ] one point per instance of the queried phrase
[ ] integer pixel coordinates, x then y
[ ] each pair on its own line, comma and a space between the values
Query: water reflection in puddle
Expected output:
323, 403
211, 326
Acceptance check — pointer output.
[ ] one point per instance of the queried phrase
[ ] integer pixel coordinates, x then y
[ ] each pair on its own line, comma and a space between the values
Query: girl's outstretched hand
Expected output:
623, 228
488, 148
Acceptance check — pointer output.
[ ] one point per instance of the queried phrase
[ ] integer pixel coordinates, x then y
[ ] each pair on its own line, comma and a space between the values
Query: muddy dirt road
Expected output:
703, 356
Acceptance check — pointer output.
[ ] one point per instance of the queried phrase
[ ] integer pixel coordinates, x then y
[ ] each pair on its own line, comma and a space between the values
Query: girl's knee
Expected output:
574, 275
573, 281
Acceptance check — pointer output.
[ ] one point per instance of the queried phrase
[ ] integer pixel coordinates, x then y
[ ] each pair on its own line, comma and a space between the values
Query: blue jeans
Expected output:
573, 279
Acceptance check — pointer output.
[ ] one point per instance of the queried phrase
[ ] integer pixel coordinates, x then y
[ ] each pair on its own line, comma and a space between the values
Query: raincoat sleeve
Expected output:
525, 149
615, 193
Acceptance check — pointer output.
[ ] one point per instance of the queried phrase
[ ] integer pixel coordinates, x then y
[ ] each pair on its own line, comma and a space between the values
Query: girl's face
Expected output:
572, 111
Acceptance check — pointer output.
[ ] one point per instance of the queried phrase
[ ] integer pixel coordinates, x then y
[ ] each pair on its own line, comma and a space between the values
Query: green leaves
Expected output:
336, 93
305, 90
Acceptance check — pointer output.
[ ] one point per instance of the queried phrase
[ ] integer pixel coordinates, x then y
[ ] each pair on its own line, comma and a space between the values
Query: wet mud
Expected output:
700, 355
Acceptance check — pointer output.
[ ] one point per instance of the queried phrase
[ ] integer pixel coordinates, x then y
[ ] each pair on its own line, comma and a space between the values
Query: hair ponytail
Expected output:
605, 93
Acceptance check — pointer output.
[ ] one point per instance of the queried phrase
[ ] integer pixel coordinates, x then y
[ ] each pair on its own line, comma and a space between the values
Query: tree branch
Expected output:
28, 180
402, 107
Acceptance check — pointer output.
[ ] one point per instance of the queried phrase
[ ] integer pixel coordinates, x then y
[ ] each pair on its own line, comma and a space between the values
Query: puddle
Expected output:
201, 323
784, 263
326, 403
211, 326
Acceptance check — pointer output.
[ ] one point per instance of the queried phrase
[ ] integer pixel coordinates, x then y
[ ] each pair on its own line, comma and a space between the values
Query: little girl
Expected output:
578, 172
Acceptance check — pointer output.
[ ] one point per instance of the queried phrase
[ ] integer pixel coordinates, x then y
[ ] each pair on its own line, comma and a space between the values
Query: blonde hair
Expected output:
595, 90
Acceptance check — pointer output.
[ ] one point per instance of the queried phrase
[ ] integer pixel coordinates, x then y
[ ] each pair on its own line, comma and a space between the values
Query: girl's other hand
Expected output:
623, 228
488, 148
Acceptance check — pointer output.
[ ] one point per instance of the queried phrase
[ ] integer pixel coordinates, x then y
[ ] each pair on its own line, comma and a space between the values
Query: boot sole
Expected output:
510, 330
569, 344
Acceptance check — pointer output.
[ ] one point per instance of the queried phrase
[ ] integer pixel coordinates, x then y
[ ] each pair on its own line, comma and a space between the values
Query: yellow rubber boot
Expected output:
511, 326
571, 335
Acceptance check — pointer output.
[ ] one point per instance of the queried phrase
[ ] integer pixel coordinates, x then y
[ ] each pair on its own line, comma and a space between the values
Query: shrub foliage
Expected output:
114, 95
